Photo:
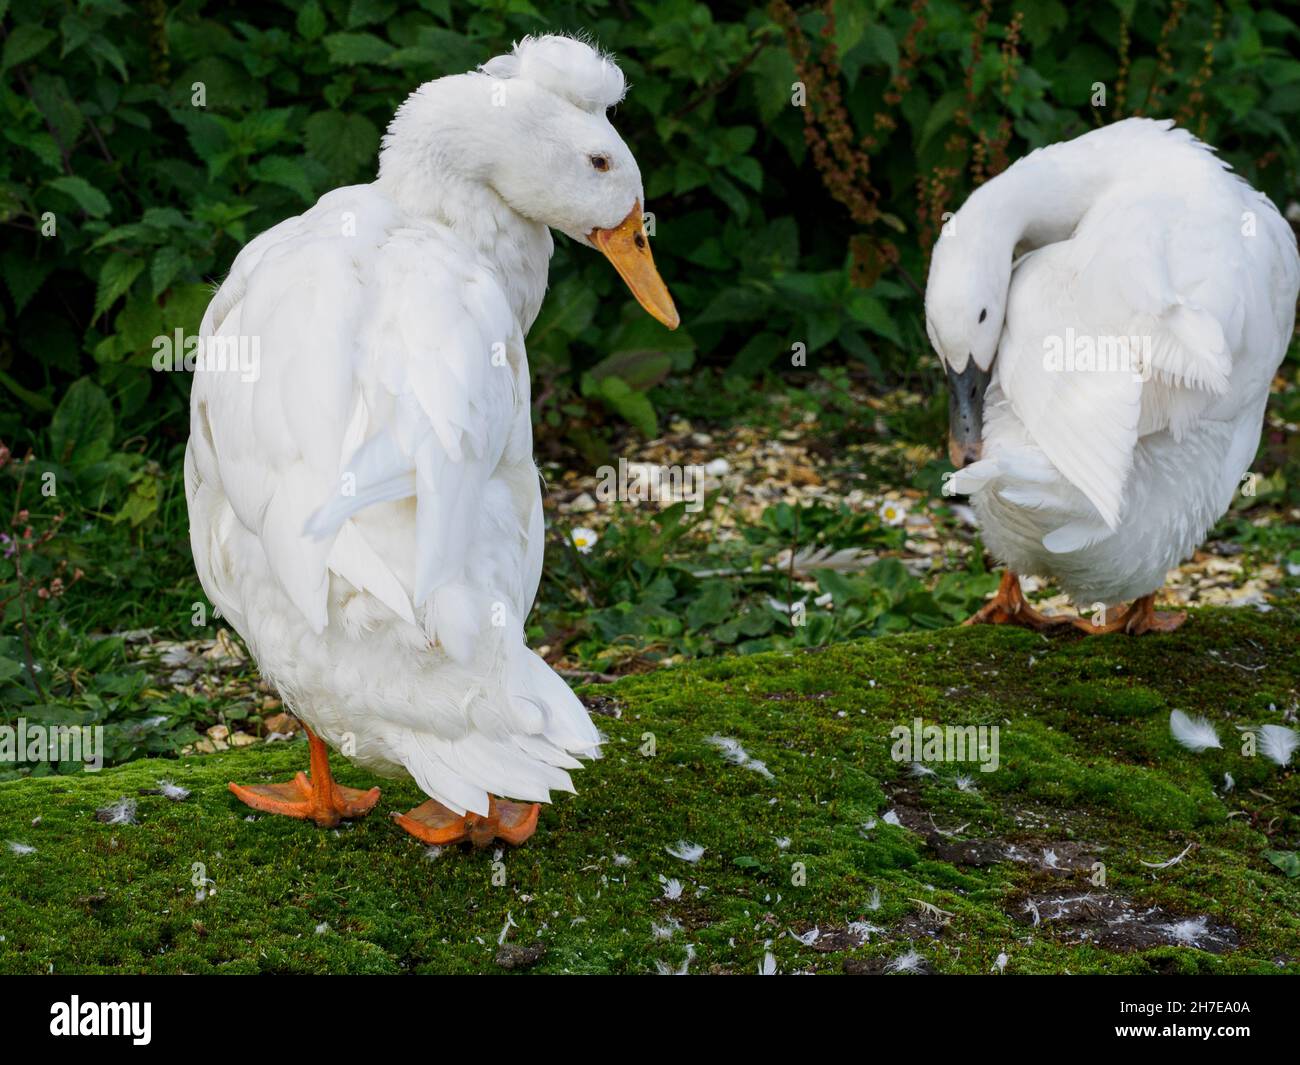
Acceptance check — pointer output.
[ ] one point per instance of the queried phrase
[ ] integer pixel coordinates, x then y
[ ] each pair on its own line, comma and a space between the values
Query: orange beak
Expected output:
628, 248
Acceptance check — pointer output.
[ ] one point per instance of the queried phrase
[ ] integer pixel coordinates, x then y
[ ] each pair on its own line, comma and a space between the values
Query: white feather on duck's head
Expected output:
568, 67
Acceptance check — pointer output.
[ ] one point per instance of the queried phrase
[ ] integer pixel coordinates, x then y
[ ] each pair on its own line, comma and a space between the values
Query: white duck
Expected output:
1135, 242
367, 514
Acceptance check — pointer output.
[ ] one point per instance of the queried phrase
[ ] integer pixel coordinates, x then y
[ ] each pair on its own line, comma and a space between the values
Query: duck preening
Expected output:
366, 513
1110, 312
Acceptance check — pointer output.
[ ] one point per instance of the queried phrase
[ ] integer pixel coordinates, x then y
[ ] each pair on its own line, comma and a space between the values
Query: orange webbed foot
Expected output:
1141, 617
433, 823
298, 798
316, 798
1010, 607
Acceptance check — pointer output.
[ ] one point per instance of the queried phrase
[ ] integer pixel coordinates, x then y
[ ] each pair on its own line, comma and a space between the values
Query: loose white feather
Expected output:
686, 851
1194, 733
1170, 862
1277, 743
734, 753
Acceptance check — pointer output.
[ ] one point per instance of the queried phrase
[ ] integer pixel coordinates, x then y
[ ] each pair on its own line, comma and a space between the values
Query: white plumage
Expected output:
367, 514
1106, 478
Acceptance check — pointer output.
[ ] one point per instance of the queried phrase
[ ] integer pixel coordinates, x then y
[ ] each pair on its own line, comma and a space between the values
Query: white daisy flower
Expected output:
892, 513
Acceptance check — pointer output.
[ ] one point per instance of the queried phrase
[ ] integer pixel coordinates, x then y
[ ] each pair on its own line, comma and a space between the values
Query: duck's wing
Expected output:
391, 368
1101, 347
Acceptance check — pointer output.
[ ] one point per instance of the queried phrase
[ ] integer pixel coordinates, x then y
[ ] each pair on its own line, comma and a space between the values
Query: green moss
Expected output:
1087, 770
1112, 700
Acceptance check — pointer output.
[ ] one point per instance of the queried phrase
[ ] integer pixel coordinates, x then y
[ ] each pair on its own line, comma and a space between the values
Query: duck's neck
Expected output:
1039, 200
436, 165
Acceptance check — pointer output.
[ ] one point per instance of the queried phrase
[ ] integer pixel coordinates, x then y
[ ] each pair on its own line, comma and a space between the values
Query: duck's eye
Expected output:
984, 313
600, 162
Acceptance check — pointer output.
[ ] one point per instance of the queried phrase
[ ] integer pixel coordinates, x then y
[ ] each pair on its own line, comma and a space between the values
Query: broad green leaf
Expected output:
88, 198
167, 263
872, 313
714, 605
635, 407
568, 310
285, 172
311, 20
366, 12
115, 277
1287, 861
351, 49
25, 41
101, 47
24, 275
939, 116
81, 432
345, 144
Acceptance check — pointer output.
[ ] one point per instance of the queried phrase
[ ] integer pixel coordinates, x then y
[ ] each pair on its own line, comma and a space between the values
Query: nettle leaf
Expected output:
285, 172
568, 310
39, 143
632, 406
850, 24
165, 218
748, 170
115, 277
88, 198
311, 20
23, 275
365, 12
938, 116
351, 49
207, 136
76, 32
872, 313
640, 369
168, 261
24, 42
444, 51
137, 324
102, 48
81, 432
185, 307
757, 354
259, 130
51, 96
342, 143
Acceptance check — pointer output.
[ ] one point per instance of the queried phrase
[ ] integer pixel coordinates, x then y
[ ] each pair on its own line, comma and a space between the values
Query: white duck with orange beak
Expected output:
366, 513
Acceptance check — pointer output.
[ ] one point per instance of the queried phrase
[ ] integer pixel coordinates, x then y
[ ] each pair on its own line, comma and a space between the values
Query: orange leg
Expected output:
1009, 607
1141, 617
433, 823
318, 799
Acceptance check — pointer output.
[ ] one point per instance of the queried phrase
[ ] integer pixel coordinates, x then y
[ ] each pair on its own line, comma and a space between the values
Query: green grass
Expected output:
1088, 771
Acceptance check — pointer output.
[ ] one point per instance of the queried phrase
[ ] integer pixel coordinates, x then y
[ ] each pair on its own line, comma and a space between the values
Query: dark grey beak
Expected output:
966, 413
